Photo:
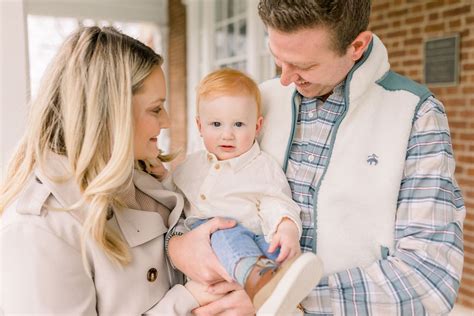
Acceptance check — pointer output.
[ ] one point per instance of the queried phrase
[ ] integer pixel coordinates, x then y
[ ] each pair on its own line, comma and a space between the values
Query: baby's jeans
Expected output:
233, 244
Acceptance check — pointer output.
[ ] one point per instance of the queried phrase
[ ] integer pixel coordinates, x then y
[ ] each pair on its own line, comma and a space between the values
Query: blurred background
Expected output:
430, 41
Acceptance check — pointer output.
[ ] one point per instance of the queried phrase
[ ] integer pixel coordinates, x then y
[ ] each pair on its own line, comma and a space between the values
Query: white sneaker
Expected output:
292, 282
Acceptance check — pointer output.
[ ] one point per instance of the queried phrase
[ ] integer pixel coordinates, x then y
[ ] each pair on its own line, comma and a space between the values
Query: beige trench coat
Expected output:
41, 268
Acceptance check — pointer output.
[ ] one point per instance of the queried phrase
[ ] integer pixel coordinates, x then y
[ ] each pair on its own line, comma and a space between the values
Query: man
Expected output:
368, 156
369, 159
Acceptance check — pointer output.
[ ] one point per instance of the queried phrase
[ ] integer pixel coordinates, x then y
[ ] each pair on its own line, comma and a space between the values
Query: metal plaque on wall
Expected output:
442, 60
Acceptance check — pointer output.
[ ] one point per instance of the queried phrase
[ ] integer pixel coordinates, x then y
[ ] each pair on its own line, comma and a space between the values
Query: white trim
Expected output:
207, 37
13, 78
230, 60
231, 20
252, 40
193, 56
124, 11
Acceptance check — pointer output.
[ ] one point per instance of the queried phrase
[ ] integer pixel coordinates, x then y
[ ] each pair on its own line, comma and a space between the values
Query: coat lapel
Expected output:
137, 226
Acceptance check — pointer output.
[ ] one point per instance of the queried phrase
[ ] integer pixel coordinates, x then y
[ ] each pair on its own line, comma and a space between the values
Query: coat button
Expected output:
152, 274
203, 197
217, 167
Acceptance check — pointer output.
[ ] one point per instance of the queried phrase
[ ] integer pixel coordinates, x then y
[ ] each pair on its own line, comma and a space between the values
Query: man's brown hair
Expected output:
344, 19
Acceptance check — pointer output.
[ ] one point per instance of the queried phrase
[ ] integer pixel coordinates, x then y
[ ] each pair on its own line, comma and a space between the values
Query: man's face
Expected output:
307, 59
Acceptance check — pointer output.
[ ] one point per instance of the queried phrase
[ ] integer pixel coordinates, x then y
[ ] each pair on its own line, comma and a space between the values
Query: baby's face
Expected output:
228, 125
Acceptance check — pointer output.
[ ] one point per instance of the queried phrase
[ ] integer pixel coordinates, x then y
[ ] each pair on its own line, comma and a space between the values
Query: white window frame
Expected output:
224, 23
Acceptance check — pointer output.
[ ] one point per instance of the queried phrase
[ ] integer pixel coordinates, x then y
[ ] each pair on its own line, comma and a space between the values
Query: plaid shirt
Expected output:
423, 274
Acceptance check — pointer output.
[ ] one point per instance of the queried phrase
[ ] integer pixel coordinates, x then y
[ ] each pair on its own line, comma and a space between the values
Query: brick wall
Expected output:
403, 25
177, 75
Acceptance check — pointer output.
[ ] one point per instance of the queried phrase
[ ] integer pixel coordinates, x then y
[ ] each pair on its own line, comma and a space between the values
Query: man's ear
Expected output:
360, 44
259, 124
198, 124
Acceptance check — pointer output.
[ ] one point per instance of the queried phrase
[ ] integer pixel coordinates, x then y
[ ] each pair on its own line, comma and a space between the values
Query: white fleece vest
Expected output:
356, 199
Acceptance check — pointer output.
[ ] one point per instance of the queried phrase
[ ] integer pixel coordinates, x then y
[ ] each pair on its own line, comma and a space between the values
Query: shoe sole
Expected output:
293, 284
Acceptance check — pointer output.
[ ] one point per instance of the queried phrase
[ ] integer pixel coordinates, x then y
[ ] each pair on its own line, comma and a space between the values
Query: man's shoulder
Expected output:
430, 105
394, 81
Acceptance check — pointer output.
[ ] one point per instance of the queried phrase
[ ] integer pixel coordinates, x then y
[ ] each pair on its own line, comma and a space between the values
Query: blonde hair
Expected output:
83, 111
227, 81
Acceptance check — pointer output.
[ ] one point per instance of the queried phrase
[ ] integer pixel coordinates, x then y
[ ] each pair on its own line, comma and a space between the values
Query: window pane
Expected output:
239, 6
219, 9
221, 51
230, 8
47, 33
241, 38
231, 42
230, 33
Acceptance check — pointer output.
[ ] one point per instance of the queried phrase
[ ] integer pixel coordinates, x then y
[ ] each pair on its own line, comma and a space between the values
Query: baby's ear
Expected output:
259, 124
198, 124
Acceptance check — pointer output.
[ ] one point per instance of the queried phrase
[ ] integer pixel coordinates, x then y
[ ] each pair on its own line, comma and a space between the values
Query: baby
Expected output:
233, 178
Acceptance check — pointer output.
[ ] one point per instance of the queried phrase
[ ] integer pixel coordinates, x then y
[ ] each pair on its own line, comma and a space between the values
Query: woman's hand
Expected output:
192, 253
236, 303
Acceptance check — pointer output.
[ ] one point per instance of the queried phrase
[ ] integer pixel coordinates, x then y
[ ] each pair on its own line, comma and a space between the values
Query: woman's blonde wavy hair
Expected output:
83, 111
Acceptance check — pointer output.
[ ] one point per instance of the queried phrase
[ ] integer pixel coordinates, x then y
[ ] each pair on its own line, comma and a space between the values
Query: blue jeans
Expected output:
233, 244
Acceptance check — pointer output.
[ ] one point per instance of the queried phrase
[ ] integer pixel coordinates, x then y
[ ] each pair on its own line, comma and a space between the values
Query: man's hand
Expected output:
236, 303
287, 238
192, 253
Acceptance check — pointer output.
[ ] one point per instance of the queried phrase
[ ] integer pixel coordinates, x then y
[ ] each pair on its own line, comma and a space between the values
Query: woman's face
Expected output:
149, 115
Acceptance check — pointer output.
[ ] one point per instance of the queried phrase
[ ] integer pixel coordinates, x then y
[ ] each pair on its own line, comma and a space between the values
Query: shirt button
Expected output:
310, 158
217, 167
203, 197
310, 114
151, 275
301, 198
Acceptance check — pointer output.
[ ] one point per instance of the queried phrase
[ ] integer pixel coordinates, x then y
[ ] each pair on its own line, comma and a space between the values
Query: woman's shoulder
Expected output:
36, 209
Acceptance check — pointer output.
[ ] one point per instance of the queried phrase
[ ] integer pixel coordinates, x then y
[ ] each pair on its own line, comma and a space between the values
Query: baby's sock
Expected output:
243, 268
245, 265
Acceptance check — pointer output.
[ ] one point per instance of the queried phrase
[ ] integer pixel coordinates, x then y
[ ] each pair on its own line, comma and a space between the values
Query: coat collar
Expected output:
137, 226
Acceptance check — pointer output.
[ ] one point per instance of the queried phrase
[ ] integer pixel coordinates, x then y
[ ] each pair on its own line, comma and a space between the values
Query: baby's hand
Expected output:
287, 238
156, 168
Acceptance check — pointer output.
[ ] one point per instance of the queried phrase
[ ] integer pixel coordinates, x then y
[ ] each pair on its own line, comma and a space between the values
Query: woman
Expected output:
82, 229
